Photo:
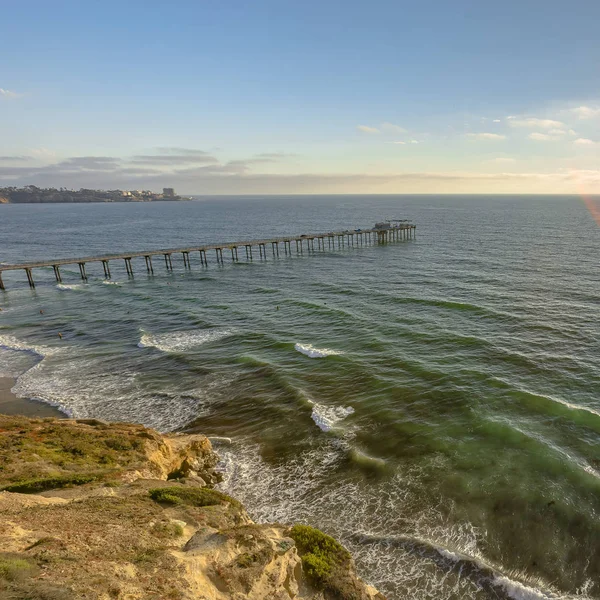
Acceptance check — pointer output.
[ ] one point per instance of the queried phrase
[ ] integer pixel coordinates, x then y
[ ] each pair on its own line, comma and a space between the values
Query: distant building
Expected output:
169, 192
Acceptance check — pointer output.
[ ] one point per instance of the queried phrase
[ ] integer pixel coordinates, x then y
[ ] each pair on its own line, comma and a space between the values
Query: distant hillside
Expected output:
33, 195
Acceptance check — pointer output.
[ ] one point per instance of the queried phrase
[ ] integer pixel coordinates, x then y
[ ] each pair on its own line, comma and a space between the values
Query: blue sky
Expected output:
285, 97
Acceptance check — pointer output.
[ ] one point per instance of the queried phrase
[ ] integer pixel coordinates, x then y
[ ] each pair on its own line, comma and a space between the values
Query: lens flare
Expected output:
593, 205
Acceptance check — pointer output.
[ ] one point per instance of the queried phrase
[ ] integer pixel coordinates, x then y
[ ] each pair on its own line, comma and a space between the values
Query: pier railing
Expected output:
343, 238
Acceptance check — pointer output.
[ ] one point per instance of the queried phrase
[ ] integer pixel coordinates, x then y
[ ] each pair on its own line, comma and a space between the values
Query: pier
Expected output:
382, 233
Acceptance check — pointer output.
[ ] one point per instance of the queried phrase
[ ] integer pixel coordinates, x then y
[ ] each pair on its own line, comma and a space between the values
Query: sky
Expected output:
281, 97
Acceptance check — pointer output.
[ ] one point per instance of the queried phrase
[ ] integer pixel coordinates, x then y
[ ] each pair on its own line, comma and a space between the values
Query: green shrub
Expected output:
41, 484
13, 568
167, 530
317, 566
147, 555
191, 496
323, 558
120, 444
244, 560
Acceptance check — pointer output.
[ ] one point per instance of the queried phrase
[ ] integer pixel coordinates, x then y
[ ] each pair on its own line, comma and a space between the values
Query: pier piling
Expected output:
149, 266
30, 278
128, 267
82, 271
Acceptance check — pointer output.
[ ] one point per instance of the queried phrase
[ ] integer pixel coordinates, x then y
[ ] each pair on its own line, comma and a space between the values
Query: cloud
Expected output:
415, 142
237, 177
14, 158
9, 95
551, 135
585, 112
180, 151
252, 176
392, 128
542, 137
501, 160
367, 129
175, 156
496, 121
399, 143
276, 155
43, 153
584, 142
89, 163
534, 123
139, 171
486, 136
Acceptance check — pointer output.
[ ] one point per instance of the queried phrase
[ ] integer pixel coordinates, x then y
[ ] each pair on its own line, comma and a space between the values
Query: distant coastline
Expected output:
34, 195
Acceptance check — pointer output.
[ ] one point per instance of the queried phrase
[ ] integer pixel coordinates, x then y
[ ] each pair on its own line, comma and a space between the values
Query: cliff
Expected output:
94, 510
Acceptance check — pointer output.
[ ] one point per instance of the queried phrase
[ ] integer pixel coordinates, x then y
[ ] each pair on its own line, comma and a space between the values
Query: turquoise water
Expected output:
434, 403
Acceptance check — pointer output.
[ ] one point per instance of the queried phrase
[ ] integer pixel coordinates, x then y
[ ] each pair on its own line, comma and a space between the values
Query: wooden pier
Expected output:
324, 241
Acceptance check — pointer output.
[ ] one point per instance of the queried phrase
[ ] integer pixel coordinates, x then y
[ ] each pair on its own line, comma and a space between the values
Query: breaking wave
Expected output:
327, 417
179, 341
312, 352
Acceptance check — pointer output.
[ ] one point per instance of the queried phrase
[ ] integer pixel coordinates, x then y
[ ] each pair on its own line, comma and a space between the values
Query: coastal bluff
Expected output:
97, 510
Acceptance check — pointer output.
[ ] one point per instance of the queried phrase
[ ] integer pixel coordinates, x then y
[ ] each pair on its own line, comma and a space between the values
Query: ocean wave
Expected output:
10, 342
307, 489
113, 396
403, 565
327, 417
107, 282
69, 286
520, 591
365, 461
312, 352
484, 575
583, 413
219, 439
179, 341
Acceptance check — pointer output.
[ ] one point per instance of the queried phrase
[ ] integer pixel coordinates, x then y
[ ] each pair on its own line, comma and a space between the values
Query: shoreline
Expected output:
13, 405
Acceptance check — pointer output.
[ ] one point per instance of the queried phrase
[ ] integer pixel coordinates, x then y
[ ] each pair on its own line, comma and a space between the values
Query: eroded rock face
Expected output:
106, 522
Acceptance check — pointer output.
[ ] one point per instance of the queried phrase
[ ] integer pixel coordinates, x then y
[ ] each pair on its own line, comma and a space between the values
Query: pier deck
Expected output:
356, 237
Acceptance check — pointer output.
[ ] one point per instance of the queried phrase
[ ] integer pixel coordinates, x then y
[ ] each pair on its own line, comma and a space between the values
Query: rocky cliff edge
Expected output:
97, 510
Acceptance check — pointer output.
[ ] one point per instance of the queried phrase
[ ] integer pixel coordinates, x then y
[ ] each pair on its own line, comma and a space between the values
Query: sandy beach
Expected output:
12, 405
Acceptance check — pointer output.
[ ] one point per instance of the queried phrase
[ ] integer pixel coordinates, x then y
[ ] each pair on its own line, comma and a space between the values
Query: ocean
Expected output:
433, 403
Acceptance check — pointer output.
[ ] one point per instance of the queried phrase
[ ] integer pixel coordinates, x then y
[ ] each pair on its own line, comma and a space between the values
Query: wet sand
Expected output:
12, 405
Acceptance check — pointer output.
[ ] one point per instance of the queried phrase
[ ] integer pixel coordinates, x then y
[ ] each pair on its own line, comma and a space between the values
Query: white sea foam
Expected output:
69, 286
313, 352
116, 396
327, 417
107, 282
179, 341
217, 439
520, 591
14, 362
10, 342
364, 519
